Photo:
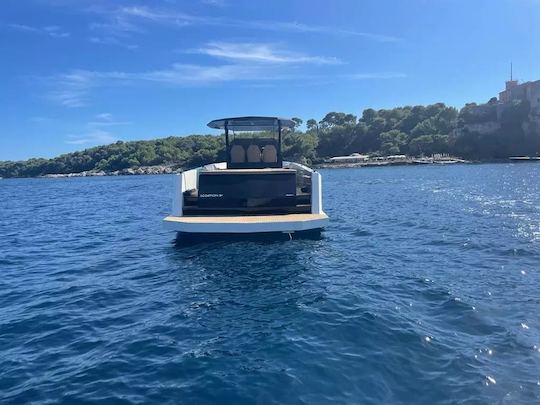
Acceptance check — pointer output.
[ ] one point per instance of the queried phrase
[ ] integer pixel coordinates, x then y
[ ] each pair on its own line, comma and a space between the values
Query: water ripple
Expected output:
423, 289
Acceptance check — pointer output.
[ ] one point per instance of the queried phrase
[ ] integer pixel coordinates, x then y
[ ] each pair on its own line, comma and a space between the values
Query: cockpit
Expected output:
253, 142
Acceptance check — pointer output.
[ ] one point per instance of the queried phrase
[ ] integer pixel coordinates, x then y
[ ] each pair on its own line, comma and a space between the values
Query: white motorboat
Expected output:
253, 191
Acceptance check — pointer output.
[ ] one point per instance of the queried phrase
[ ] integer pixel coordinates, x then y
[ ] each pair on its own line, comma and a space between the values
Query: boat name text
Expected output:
211, 195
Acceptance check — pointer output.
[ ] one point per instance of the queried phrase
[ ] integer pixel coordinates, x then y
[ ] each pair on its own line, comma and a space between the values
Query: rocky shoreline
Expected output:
401, 162
162, 169
144, 170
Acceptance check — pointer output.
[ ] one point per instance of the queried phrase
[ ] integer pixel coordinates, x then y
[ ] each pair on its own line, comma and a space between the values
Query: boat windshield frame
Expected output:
253, 124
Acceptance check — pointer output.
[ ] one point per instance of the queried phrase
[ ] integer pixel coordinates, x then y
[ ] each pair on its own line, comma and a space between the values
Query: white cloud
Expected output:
260, 53
111, 40
188, 74
54, 31
145, 12
118, 23
218, 3
95, 137
104, 117
59, 34
123, 20
379, 75
106, 120
93, 132
22, 27
41, 120
71, 89
116, 30
256, 63
316, 29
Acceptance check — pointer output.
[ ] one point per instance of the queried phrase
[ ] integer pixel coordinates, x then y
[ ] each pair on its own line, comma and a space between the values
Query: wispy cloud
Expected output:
117, 26
128, 19
317, 29
73, 88
93, 132
41, 120
22, 27
256, 63
153, 14
94, 137
116, 29
122, 22
106, 120
218, 3
260, 53
53, 31
379, 75
104, 117
250, 62
111, 40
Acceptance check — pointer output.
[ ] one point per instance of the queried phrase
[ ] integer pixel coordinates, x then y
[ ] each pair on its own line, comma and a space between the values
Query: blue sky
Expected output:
79, 73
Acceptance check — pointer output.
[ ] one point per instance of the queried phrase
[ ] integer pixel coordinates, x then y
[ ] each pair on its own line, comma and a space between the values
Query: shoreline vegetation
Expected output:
432, 134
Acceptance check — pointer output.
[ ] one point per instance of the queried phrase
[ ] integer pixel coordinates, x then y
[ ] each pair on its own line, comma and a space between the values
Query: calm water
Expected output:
423, 289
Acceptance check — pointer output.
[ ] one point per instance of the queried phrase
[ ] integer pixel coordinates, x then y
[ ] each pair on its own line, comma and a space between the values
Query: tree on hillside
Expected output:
297, 123
312, 125
393, 142
337, 119
369, 115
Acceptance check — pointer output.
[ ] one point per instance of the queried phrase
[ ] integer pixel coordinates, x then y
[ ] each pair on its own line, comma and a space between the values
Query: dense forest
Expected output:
477, 132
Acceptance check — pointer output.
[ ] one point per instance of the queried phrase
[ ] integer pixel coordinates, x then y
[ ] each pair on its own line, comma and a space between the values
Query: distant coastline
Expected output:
160, 170
494, 131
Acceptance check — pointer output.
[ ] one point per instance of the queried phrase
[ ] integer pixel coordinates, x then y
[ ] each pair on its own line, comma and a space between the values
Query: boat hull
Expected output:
287, 223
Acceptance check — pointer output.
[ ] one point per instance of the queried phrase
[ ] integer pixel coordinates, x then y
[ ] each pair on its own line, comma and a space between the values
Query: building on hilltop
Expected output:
488, 118
528, 91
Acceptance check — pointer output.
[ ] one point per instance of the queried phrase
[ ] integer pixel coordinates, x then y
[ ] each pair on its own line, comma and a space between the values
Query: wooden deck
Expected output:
254, 219
246, 224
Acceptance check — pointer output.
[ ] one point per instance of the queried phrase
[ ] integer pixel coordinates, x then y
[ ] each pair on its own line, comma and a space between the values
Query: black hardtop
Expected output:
252, 123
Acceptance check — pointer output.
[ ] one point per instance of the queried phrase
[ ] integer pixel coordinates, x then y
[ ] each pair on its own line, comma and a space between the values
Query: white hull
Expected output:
287, 223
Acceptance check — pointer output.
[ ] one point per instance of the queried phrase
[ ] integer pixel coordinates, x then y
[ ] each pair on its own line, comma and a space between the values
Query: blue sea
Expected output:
424, 289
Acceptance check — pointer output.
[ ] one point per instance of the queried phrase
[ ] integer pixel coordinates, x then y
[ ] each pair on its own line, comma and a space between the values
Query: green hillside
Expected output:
474, 132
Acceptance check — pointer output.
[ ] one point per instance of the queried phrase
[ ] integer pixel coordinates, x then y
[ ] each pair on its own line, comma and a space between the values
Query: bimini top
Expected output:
251, 123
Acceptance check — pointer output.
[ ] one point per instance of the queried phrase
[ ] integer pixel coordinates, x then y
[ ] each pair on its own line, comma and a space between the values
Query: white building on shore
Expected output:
353, 158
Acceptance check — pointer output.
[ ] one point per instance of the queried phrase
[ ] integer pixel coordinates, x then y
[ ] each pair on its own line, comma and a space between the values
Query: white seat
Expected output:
253, 154
238, 154
269, 154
